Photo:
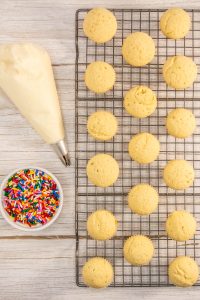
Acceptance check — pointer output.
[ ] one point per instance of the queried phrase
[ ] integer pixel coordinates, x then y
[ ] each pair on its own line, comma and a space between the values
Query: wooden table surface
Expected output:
42, 265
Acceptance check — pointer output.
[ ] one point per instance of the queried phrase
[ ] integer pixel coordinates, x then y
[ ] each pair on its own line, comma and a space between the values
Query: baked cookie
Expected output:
140, 101
143, 199
138, 250
138, 49
101, 225
102, 170
99, 77
181, 123
183, 271
178, 174
100, 25
175, 23
102, 125
144, 148
179, 72
97, 272
180, 225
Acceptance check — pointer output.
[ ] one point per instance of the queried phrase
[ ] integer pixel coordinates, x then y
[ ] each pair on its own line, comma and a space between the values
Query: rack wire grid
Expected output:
90, 198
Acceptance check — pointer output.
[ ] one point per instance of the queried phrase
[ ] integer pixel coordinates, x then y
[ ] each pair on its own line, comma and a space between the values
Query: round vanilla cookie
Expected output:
102, 170
138, 250
143, 199
99, 77
102, 125
138, 49
180, 225
140, 101
181, 123
179, 72
178, 174
144, 148
101, 225
183, 271
175, 23
100, 25
97, 272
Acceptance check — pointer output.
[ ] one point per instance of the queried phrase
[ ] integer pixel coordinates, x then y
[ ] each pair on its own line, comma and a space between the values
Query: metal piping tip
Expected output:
66, 160
61, 150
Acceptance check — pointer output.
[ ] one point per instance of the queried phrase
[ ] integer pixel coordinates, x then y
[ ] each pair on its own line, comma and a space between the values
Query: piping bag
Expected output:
26, 77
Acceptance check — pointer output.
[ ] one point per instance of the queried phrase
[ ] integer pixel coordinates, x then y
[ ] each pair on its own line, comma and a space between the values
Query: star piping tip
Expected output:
67, 161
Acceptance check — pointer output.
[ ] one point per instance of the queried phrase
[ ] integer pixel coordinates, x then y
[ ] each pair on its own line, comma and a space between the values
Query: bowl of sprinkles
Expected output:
31, 199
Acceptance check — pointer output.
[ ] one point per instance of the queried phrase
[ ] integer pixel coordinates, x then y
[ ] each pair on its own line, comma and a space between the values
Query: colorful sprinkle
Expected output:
31, 197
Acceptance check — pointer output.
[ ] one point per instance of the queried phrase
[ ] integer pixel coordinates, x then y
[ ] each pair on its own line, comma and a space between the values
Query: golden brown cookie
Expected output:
101, 225
180, 225
144, 148
181, 123
178, 174
175, 23
98, 272
100, 25
138, 250
183, 271
102, 170
179, 72
138, 49
102, 125
140, 101
143, 199
99, 77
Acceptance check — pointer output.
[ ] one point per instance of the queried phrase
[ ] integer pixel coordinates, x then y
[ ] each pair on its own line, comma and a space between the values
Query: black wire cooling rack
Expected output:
90, 198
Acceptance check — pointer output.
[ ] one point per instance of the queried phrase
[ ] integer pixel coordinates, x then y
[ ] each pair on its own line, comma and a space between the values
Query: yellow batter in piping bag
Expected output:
26, 77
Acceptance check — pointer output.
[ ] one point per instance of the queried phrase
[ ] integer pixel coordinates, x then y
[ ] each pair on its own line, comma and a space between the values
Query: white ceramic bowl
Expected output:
25, 227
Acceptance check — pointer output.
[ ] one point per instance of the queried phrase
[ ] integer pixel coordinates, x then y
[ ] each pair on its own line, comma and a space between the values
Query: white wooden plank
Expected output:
33, 269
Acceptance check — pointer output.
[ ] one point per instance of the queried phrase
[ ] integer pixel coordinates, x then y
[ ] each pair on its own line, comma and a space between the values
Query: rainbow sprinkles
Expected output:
31, 197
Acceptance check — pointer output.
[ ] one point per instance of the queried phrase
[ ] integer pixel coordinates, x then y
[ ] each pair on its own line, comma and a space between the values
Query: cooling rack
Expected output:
90, 198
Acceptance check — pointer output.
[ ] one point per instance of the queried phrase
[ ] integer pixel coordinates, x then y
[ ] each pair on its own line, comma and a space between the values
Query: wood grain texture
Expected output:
42, 266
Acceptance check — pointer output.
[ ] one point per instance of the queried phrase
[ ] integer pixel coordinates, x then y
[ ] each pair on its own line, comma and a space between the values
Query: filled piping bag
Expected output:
26, 77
